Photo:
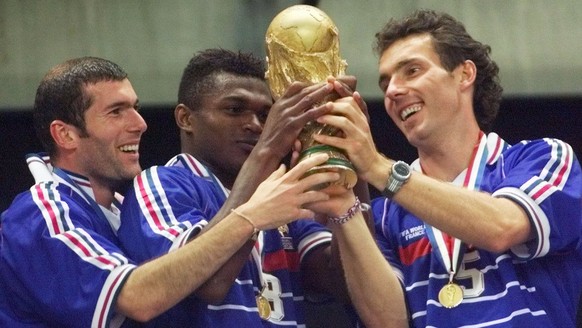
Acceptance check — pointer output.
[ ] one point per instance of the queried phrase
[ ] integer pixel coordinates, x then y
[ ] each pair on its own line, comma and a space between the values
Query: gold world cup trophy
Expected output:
303, 45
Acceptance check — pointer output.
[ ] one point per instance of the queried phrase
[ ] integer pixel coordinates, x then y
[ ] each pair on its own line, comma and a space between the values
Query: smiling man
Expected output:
61, 262
475, 232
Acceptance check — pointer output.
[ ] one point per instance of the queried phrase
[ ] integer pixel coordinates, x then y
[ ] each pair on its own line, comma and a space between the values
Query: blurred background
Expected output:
535, 42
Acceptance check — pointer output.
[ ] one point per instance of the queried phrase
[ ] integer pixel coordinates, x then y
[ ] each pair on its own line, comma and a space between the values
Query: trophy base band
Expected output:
337, 162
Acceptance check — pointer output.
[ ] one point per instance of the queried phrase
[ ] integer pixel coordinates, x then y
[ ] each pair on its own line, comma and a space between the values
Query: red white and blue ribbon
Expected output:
450, 250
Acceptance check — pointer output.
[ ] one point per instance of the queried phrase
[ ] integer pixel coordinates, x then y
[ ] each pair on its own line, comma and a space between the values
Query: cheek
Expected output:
388, 108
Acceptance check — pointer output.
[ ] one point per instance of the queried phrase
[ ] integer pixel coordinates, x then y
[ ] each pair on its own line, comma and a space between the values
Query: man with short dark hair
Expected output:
232, 136
475, 232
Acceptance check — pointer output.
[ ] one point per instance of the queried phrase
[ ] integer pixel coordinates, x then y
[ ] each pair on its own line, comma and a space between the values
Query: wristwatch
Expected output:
398, 176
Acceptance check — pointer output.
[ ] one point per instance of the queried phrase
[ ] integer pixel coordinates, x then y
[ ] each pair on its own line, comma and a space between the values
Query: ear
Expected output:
65, 135
468, 74
182, 116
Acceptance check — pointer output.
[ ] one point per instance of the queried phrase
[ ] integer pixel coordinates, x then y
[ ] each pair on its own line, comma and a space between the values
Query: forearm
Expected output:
158, 285
477, 218
215, 289
333, 282
374, 288
253, 172
322, 273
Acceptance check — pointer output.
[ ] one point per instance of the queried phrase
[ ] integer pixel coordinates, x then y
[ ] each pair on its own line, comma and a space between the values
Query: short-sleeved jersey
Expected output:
60, 260
170, 204
536, 284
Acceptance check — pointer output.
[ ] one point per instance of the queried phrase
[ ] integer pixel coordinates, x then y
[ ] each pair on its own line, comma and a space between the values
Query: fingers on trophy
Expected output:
302, 44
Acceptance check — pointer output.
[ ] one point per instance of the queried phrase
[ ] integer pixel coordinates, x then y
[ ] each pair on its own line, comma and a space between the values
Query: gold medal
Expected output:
451, 295
264, 307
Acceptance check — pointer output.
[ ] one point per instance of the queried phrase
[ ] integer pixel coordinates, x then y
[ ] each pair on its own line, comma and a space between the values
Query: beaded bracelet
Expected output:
357, 207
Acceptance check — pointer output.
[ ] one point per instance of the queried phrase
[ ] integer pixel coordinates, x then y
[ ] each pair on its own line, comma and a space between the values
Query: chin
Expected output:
130, 173
123, 186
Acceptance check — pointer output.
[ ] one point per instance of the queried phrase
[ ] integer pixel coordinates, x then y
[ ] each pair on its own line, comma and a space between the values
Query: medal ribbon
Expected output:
450, 250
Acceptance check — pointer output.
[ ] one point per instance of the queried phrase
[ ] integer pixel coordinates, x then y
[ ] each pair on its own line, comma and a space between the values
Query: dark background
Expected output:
519, 118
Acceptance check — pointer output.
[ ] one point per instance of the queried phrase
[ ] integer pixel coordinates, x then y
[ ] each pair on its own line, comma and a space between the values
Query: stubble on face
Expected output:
426, 96
109, 152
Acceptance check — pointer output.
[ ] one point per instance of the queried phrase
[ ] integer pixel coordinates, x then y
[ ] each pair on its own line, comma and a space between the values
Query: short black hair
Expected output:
61, 94
198, 76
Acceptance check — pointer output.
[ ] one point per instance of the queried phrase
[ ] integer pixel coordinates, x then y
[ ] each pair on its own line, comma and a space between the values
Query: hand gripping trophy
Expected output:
303, 45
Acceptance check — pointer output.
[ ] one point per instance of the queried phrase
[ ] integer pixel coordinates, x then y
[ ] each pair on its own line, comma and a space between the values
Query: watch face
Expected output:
402, 170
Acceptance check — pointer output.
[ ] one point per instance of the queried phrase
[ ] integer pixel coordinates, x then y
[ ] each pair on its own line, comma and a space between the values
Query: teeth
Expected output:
409, 111
129, 148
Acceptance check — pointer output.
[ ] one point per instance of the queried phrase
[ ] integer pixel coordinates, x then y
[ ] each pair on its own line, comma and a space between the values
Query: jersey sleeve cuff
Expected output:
540, 245
104, 314
313, 241
188, 234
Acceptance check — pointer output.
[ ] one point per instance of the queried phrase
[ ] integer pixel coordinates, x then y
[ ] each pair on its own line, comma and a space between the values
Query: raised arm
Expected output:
323, 272
286, 119
374, 288
156, 286
475, 217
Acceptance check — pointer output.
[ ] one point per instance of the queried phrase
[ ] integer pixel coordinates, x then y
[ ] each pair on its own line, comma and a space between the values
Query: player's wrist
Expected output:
249, 220
356, 207
379, 172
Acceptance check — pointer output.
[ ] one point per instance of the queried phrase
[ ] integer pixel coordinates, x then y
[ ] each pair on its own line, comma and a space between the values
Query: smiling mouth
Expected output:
406, 113
129, 148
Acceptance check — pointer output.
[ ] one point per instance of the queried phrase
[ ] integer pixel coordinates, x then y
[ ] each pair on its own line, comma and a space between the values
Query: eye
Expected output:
384, 86
234, 110
263, 116
412, 70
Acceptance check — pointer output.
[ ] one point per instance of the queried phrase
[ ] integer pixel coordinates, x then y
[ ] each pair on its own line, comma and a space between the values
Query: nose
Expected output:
137, 122
395, 89
254, 123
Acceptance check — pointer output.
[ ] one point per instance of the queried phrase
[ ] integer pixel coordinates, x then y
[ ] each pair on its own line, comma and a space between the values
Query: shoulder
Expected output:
167, 186
162, 176
166, 171
549, 156
546, 147
42, 195
47, 207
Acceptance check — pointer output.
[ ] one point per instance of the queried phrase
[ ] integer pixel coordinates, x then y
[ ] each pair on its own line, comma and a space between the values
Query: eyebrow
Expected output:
237, 98
123, 103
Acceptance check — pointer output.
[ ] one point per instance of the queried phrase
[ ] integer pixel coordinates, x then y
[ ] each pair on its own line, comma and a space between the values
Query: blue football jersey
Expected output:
169, 204
532, 285
60, 261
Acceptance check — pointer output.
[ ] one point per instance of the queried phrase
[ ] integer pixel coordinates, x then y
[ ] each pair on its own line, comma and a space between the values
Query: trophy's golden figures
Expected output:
302, 44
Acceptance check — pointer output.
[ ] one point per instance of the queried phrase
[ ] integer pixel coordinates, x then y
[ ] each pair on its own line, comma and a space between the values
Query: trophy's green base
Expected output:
337, 162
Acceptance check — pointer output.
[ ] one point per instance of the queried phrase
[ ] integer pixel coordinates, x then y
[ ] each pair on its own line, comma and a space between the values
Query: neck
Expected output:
446, 160
104, 195
226, 181
223, 176
103, 192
